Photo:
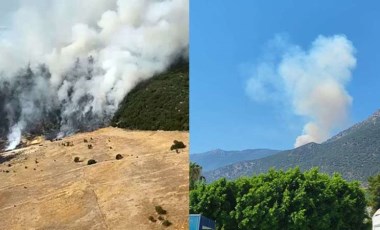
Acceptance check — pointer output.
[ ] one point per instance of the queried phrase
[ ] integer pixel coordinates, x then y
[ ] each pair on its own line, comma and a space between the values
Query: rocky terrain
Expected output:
49, 184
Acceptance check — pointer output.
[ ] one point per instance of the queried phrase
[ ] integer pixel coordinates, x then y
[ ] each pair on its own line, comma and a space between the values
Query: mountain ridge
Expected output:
217, 158
354, 153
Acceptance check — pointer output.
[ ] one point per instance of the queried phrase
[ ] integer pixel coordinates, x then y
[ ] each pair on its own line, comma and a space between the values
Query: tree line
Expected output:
289, 199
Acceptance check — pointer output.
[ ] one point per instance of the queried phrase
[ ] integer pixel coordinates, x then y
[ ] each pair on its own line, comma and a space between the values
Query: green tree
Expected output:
195, 174
374, 192
282, 200
215, 202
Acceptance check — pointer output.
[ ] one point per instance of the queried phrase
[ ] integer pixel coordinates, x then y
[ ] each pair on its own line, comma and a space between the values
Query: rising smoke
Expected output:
66, 65
313, 83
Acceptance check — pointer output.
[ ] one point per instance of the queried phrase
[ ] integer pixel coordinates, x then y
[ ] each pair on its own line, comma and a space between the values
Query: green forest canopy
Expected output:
160, 103
282, 200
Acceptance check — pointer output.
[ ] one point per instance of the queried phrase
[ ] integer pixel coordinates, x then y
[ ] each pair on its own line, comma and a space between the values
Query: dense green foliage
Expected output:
160, 103
374, 192
282, 200
354, 153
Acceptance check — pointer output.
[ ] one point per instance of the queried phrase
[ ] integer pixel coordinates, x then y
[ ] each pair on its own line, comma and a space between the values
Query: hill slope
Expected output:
354, 153
43, 188
218, 158
160, 103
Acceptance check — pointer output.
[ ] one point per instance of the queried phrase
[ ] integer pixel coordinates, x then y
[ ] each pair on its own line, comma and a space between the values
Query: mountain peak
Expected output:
217, 150
376, 114
354, 153
371, 120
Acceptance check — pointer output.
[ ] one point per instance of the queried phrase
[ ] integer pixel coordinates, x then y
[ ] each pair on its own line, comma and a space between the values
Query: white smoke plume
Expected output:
83, 57
14, 136
313, 82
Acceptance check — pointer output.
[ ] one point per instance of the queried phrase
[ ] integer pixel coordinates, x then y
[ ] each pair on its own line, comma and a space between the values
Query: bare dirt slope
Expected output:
43, 188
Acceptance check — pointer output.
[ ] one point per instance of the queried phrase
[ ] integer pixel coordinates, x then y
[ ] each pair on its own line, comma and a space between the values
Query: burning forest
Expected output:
60, 75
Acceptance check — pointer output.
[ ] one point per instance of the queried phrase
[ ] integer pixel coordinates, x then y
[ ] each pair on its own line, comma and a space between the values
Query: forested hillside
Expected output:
160, 103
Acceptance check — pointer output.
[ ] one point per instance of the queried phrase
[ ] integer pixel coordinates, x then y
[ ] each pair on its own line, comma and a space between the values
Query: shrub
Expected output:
91, 162
161, 218
151, 218
166, 223
76, 159
177, 145
68, 143
160, 210
119, 157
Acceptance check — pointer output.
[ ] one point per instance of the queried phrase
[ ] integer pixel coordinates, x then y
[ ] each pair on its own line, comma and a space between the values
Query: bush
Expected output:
177, 145
91, 162
161, 218
119, 157
160, 210
166, 223
68, 143
151, 218
76, 159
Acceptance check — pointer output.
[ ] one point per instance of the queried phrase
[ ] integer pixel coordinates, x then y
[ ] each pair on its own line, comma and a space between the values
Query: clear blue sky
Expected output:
225, 36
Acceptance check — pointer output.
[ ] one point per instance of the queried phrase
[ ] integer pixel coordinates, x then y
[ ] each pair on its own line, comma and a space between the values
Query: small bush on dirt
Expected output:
119, 157
166, 223
160, 210
91, 162
177, 145
68, 143
76, 159
89, 146
85, 140
161, 218
151, 218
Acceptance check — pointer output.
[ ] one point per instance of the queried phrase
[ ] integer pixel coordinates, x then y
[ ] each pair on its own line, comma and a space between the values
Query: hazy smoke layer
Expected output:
313, 81
72, 62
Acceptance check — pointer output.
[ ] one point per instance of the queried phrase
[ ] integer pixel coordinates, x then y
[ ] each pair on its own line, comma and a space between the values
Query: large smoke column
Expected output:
314, 83
79, 59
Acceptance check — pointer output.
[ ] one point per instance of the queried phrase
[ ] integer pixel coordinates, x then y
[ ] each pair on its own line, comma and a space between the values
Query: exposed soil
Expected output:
45, 189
